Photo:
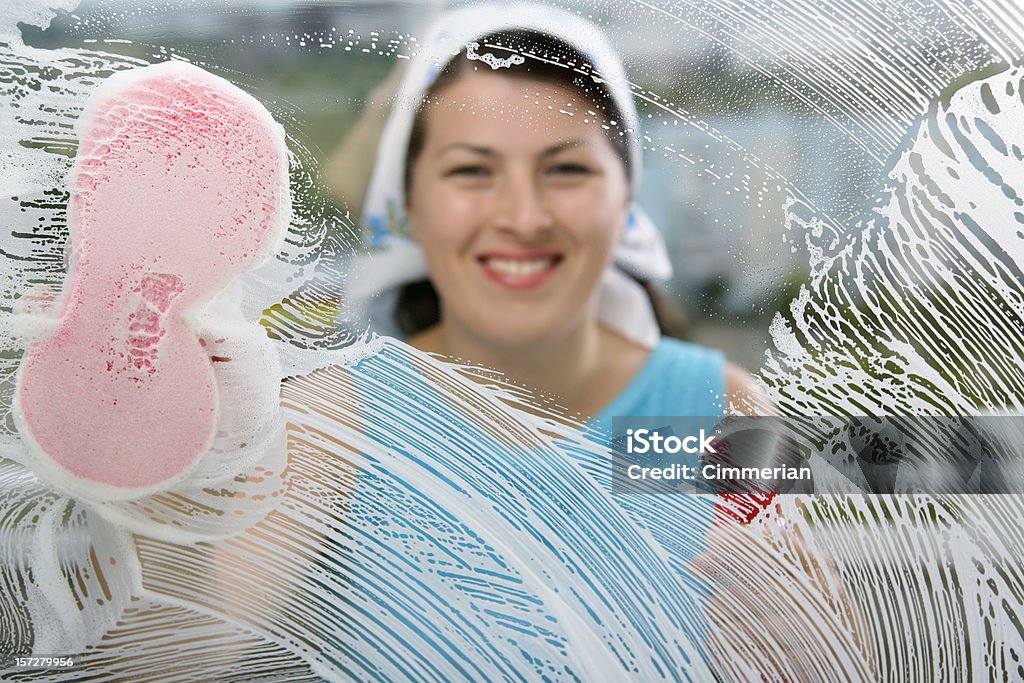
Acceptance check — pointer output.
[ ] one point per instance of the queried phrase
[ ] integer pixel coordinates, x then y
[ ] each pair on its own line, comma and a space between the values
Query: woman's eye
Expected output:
569, 169
470, 171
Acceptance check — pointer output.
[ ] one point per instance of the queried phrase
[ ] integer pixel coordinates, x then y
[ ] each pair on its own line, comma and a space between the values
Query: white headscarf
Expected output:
397, 259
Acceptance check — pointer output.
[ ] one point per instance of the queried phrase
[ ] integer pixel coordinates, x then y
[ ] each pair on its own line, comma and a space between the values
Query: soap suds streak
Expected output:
406, 554
931, 284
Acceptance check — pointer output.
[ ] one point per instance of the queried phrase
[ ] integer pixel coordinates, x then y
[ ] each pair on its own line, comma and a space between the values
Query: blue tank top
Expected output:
678, 379
553, 499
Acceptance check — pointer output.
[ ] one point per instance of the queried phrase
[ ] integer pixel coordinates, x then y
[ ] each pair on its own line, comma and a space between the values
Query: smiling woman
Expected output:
518, 210
502, 203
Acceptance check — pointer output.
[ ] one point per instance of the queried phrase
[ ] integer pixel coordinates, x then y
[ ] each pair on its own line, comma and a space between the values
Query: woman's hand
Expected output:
745, 396
777, 608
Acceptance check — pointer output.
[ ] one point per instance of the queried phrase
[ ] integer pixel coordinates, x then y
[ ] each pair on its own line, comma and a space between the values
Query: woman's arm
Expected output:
748, 567
349, 167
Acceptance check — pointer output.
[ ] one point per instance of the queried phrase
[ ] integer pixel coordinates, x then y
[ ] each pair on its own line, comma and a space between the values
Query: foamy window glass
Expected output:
839, 189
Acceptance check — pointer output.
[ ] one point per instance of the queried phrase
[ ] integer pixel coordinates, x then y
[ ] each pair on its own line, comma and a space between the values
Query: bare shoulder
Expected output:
745, 396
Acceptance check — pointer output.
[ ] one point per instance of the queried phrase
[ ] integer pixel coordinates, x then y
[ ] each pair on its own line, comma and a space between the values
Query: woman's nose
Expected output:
522, 207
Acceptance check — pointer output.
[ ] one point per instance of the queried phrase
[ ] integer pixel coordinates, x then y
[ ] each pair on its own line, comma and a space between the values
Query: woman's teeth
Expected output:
519, 267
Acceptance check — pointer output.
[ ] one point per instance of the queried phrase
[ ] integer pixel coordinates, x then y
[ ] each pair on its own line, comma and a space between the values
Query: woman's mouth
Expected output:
519, 272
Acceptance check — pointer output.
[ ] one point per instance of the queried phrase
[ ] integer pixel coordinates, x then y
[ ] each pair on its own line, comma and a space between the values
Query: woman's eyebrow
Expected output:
561, 147
487, 151
476, 149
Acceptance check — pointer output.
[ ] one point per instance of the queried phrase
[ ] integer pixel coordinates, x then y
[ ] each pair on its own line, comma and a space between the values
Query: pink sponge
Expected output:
181, 183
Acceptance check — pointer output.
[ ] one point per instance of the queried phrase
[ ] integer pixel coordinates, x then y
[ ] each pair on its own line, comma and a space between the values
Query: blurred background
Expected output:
752, 114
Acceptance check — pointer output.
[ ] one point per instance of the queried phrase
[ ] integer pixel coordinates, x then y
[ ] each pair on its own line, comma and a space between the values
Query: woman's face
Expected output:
517, 199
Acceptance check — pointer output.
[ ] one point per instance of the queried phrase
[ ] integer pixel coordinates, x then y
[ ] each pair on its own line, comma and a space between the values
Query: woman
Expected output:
502, 205
502, 208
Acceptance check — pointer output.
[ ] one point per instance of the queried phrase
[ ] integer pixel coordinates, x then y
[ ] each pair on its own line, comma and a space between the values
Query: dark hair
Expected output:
545, 58
548, 59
